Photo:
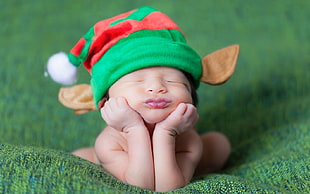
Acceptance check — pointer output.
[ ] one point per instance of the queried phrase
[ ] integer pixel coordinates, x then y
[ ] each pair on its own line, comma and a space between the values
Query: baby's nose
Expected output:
156, 87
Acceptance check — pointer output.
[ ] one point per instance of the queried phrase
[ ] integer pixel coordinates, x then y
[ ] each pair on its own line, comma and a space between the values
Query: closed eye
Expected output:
138, 81
178, 82
134, 82
173, 81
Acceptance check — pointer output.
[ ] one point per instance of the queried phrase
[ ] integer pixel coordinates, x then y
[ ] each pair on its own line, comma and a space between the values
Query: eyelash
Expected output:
172, 81
167, 81
178, 82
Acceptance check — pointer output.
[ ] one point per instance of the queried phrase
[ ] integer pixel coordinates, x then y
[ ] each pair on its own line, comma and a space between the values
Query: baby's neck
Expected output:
150, 127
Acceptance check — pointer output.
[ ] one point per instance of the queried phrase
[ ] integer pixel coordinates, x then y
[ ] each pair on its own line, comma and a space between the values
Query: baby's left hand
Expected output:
182, 119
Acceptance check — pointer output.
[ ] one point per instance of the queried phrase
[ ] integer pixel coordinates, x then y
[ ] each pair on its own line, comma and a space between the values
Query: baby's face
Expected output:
153, 92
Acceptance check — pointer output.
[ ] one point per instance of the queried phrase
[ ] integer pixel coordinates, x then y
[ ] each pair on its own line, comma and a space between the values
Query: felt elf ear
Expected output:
78, 97
219, 65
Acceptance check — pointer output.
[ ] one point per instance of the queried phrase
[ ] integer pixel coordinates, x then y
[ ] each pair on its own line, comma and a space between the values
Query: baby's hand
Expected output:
182, 119
118, 115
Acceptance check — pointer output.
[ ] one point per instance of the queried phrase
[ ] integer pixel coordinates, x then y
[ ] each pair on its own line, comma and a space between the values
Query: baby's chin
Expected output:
154, 118
152, 121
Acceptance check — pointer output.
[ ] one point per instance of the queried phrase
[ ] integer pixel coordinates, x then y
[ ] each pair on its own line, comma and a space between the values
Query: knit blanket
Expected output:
280, 166
264, 109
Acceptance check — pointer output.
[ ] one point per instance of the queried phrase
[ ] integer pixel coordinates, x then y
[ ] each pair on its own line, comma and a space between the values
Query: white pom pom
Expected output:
61, 70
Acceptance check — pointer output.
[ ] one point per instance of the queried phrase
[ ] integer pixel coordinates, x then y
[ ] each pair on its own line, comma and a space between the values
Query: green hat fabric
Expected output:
131, 41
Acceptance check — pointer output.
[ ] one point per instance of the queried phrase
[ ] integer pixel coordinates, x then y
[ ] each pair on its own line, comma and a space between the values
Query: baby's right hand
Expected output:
117, 114
182, 119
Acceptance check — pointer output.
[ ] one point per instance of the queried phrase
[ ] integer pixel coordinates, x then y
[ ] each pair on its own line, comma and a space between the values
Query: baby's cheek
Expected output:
187, 98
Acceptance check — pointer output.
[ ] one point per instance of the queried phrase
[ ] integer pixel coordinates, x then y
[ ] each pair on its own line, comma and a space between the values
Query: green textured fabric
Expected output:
263, 109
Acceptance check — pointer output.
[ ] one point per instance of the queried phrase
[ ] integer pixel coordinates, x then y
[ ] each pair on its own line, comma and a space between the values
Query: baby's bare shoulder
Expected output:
112, 139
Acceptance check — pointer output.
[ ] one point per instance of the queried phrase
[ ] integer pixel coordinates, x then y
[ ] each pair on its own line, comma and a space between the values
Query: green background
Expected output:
263, 108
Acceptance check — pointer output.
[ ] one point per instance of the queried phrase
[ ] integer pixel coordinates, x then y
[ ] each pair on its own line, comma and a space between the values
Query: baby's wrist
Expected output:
172, 132
132, 126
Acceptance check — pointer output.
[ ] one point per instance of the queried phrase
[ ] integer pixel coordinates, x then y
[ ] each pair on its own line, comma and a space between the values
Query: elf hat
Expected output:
131, 41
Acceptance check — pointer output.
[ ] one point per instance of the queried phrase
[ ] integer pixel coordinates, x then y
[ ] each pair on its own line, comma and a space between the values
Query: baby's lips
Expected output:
157, 103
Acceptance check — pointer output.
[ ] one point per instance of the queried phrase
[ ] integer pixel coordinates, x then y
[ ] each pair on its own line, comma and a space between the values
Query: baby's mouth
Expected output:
157, 103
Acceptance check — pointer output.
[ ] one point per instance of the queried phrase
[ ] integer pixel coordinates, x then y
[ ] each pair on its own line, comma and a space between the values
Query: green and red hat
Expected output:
125, 43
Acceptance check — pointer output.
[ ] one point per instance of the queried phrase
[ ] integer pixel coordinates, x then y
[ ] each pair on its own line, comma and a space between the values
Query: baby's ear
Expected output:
102, 102
78, 97
219, 65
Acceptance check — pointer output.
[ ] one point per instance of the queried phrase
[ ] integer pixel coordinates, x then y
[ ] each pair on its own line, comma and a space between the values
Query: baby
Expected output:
150, 140
144, 81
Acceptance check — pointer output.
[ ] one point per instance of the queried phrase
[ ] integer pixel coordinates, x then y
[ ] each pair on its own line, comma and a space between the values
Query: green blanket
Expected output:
263, 109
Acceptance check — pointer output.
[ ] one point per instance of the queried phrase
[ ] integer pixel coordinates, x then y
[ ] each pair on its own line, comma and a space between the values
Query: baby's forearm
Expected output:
175, 158
168, 175
140, 170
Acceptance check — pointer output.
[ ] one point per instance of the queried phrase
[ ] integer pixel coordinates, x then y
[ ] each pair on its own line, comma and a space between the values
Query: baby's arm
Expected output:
177, 148
124, 147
